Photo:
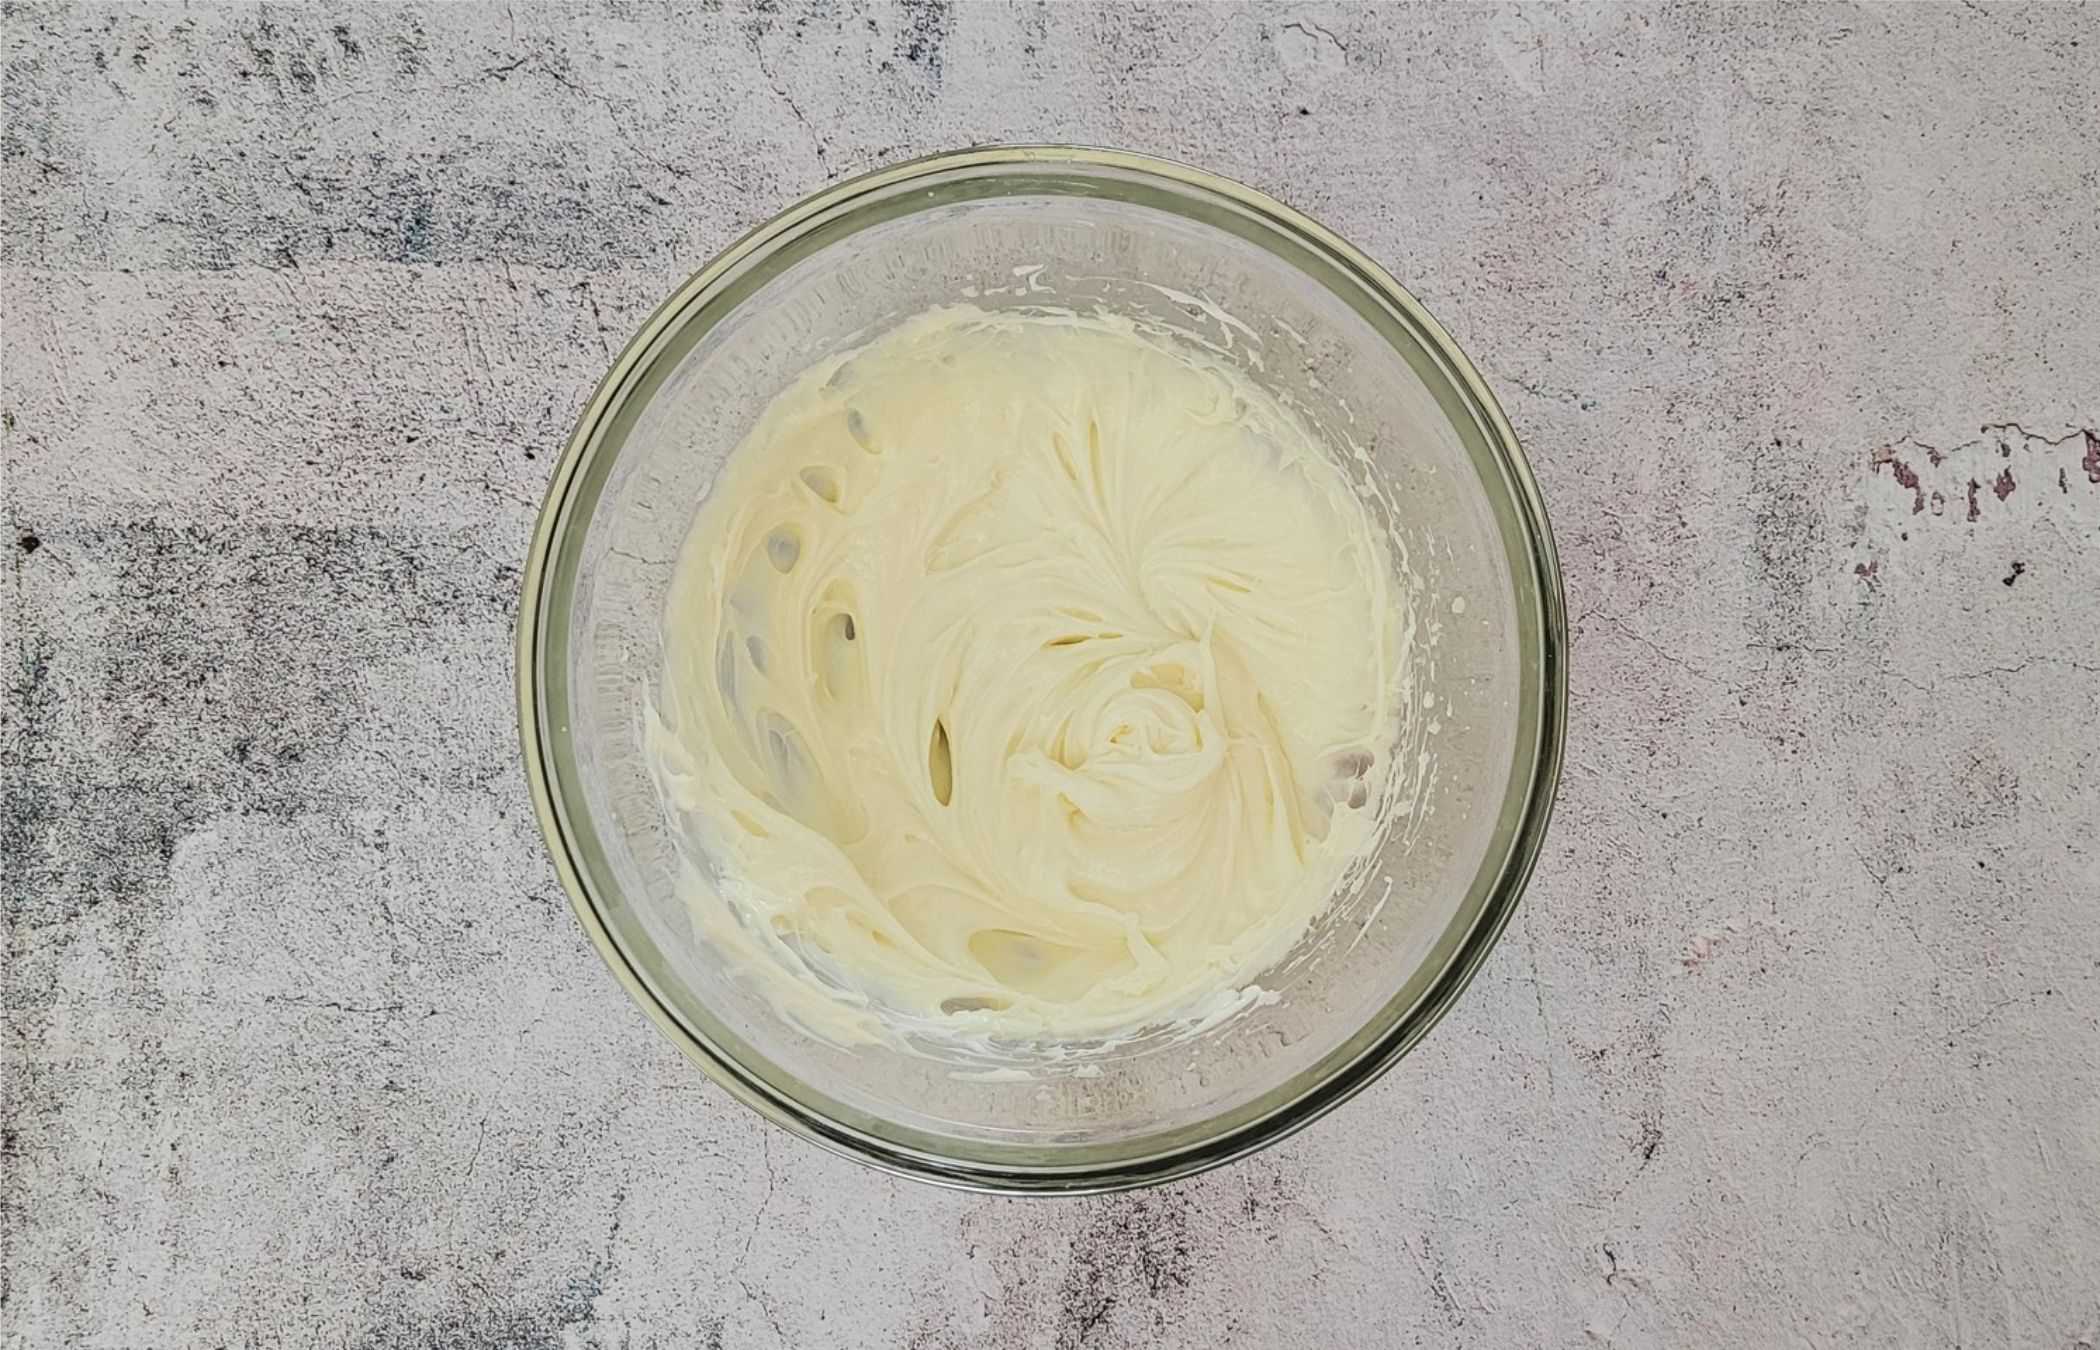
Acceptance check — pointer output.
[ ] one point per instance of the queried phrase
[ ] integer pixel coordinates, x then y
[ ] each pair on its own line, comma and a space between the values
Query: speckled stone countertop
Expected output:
1796, 1039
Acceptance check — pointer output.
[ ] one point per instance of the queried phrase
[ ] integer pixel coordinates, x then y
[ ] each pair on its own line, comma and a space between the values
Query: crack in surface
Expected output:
757, 1295
331, 1005
765, 68
1317, 33
539, 59
1665, 655
1539, 998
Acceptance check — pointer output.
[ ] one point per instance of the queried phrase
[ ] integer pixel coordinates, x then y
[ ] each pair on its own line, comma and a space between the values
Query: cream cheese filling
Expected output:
1029, 674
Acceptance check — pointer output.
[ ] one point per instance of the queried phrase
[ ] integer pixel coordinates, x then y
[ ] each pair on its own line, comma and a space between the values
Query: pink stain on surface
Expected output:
1905, 475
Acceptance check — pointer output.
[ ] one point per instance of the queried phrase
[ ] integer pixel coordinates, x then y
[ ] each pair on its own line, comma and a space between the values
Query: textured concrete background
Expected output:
1795, 1042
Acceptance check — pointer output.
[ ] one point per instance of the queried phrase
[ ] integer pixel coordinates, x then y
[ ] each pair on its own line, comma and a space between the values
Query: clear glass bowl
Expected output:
1302, 312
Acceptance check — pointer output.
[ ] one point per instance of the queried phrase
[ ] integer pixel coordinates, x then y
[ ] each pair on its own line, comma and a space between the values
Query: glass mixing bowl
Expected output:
1301, 312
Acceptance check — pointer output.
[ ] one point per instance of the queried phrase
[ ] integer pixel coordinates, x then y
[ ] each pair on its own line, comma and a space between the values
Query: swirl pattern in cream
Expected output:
1032, 674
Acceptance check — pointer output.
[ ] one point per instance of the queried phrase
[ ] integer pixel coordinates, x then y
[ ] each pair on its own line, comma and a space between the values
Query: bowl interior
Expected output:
1300, 316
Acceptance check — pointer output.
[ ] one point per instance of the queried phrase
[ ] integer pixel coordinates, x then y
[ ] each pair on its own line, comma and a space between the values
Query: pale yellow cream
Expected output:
1028, 675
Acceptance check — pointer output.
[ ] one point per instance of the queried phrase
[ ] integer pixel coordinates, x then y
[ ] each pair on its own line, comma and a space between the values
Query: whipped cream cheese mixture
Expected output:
1028, 675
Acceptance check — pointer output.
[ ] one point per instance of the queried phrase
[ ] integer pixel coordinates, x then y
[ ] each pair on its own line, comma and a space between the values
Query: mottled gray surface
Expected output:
1796, 1040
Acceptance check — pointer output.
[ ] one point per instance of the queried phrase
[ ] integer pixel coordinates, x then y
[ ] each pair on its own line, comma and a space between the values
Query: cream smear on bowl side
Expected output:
1029, 677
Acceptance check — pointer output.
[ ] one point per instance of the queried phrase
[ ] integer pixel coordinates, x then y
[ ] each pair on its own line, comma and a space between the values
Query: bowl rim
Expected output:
1182, 1160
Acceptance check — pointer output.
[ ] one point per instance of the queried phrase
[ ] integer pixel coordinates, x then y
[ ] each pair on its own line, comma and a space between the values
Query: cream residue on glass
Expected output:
1029, 676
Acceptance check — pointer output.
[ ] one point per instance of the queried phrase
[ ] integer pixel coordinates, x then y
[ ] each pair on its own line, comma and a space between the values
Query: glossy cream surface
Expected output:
1030, 675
